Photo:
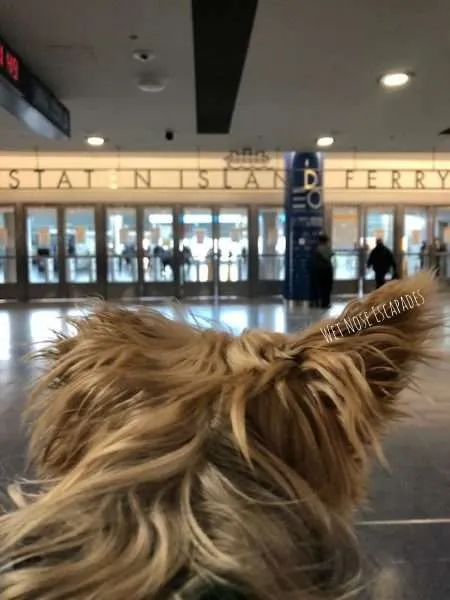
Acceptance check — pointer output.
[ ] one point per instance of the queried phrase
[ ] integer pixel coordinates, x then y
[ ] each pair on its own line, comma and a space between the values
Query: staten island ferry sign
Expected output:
242, 171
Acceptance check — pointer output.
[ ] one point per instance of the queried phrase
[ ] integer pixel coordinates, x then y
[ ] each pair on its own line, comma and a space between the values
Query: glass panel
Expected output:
379, 224
439, 253
344, 236
42, 245
233, 244
158, 244
122, 245
8, 272
196, 245
81, 266
271, 244
414, 241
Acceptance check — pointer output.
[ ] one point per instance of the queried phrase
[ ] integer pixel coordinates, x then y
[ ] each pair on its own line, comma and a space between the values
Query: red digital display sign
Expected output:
9, 64
22, 89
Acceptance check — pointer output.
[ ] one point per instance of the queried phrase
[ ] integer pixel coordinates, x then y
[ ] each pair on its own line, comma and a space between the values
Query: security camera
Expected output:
169, 135
143, 55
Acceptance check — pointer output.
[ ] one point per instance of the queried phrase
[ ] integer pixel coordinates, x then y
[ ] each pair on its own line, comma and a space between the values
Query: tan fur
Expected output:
161, 447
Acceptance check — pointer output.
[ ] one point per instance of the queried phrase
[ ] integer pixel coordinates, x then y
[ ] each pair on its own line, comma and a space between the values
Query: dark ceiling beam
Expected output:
222, 31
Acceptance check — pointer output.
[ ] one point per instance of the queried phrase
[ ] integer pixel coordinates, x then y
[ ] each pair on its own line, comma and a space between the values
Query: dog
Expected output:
180, 463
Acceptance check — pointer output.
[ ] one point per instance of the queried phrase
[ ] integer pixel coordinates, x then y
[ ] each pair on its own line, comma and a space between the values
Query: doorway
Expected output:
122, 271
43, 245
271, 245
378, 224
345, 236
61, 252
439, 248
8, 253
80, 252
415, 242
159, 269
213, 252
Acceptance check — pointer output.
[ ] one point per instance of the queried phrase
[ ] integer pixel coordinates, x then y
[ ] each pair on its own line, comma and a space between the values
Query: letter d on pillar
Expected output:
304, 220
310, 179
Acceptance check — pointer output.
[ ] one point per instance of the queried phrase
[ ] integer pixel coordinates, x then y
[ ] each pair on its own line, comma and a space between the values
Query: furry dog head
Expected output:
172, 458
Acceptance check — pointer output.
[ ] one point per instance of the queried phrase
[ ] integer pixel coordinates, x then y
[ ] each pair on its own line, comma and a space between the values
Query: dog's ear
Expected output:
356, 366
385, 335
318, 401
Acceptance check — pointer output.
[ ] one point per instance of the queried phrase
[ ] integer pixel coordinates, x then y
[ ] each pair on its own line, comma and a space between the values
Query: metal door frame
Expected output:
197, 289
368, 285
44, 291
159, 289
63, 289
231, 289
74, 289
12, 291
119, 290
214, 288
264, 288
429, 230
344, 287
444, 279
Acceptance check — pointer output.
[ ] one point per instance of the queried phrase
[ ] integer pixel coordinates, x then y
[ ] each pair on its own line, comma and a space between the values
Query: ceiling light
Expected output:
394, 80
95, 140
151, 84
325, 141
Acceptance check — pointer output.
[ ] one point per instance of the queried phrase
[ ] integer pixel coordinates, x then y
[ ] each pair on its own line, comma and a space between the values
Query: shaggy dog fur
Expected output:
171, 459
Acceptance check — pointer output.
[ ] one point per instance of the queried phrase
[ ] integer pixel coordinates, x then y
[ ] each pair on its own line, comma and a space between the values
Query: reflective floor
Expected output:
405, 526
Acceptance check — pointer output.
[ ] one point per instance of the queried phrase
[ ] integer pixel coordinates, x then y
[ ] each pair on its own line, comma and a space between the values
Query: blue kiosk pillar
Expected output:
305, 220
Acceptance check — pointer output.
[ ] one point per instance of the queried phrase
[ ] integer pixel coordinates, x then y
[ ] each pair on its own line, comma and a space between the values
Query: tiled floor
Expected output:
405, 527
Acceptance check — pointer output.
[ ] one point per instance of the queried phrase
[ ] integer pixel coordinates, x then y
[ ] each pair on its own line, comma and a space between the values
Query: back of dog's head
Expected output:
165, 449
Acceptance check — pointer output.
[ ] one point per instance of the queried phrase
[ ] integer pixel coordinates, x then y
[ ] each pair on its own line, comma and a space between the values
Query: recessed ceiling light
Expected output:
151, 84
325, 141
395, 80
95, 140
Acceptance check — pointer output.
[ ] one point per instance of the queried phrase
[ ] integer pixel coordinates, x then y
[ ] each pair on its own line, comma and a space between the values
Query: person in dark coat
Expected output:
382, 260
422, 254
322, 273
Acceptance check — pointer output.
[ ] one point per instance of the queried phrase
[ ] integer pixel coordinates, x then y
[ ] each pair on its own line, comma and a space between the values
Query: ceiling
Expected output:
311, 69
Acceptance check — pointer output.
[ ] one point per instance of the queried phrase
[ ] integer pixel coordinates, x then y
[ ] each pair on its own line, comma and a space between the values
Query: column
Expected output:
10, 247
304, 220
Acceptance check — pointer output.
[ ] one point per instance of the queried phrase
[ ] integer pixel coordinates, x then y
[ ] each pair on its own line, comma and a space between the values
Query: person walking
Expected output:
422, 254
322, 273
382, 260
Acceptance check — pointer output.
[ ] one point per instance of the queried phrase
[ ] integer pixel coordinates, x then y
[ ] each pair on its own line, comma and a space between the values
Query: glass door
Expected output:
439, 257
233, 251
198, 268
158, 256
345, 235
80, 251
379, 224
415, 244
8, 260
122, 256
43, 252
271, 251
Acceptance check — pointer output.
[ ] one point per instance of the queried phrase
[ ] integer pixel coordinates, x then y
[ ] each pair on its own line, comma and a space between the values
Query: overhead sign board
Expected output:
250, 179
25, 96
